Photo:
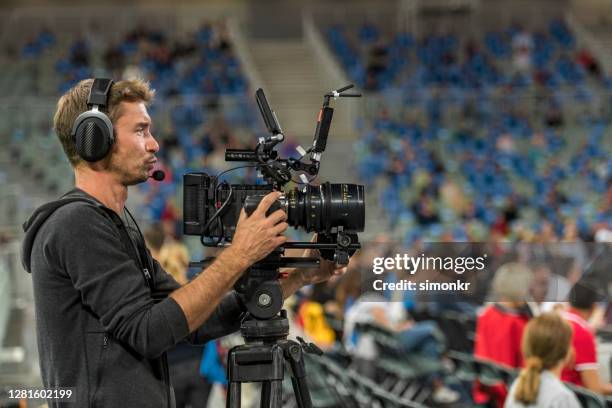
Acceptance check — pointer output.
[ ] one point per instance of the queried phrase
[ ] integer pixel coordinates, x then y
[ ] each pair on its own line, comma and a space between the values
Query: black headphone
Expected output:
92, 130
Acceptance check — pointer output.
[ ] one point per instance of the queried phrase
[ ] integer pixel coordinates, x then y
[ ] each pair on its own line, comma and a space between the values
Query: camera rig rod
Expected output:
324, 122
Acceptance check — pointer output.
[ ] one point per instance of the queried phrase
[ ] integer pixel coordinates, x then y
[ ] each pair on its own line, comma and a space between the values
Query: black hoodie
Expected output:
98, 327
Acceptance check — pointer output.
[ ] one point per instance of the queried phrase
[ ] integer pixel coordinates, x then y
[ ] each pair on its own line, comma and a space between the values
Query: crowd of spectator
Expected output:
471, 138
490, 320
521, 283
468, 157
376, 58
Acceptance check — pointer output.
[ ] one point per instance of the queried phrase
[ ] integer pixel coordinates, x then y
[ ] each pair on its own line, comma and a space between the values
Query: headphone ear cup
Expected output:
92, 139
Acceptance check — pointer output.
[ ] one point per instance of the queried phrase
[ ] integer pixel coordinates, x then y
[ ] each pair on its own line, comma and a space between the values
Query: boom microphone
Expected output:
158, 175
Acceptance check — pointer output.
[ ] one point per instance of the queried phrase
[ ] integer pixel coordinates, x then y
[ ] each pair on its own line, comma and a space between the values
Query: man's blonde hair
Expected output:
74, 102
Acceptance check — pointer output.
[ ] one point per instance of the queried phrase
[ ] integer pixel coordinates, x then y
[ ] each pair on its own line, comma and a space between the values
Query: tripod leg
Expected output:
302, 394
233, 395
271, 394
295, 356
265, 394
274, 394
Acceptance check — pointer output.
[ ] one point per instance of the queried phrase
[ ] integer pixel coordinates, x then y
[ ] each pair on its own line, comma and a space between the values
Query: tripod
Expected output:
262, 359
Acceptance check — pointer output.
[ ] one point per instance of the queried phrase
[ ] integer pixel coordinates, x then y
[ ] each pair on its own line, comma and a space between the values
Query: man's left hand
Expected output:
326, 270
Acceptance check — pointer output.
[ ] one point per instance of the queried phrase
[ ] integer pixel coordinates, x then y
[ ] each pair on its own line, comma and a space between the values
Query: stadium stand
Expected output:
479, 160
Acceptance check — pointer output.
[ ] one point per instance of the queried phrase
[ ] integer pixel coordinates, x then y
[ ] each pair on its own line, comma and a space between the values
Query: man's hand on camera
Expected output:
257, 235
326, 270
296, 278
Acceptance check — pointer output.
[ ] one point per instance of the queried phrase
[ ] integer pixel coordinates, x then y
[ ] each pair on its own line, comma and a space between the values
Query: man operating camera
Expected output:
106, 312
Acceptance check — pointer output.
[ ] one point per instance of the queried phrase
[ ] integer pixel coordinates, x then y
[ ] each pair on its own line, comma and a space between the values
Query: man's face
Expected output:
133, 154
539, 284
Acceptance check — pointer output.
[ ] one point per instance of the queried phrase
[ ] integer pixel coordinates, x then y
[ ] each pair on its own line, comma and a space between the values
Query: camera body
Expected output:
325, 209
201, 200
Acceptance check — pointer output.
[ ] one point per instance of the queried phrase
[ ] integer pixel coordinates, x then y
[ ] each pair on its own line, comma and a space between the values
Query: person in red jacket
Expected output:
500, 327
582, 370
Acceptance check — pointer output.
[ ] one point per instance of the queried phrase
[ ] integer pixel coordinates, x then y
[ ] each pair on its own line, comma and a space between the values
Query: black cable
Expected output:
148, 274
216, 186
135, 223
227, 200
216, 215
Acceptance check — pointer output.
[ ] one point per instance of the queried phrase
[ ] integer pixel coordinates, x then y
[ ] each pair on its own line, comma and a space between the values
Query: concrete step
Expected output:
294, 87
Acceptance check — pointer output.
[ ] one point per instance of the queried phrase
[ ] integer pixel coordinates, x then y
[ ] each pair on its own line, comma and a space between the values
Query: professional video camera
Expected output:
335, 211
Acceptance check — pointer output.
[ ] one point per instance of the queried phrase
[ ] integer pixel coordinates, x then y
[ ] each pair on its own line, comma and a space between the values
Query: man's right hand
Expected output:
257, 235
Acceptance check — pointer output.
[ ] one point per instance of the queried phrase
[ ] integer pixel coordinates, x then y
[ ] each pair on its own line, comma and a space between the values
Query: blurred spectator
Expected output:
423, 338
500, 327
174, 258
583, 369
170, 220
547, 233
548, 289
190, 389
572, 247
154, 239
588, 62
312, 317
425, 210
79, 53
132, 71
114, 60
546, 348
522, 46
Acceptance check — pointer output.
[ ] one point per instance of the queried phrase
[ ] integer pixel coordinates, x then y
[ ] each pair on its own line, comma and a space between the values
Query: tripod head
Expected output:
260, 288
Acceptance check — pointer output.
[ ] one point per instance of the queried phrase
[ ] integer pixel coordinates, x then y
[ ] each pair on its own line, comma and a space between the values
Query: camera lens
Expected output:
328, 206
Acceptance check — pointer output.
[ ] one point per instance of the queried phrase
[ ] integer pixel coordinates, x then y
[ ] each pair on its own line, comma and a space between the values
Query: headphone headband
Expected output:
99, 92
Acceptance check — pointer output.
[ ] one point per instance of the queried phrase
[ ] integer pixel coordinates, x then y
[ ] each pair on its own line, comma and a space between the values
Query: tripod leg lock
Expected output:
310, 348
295, 357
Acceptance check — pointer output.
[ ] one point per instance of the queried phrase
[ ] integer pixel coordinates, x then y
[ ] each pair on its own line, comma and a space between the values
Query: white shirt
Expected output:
552, 394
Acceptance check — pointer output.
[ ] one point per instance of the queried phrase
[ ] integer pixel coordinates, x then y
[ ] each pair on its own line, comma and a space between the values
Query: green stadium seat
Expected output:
465, 365
587, 398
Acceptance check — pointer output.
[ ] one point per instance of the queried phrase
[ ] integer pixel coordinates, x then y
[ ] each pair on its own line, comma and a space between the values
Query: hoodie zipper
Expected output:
100, 368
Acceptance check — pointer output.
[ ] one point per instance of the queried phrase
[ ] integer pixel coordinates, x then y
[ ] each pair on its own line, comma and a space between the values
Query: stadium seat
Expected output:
587, 398
346, 387
465, 366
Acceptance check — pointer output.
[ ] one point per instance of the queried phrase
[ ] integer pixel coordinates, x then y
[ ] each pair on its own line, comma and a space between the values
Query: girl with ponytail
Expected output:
546, 348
